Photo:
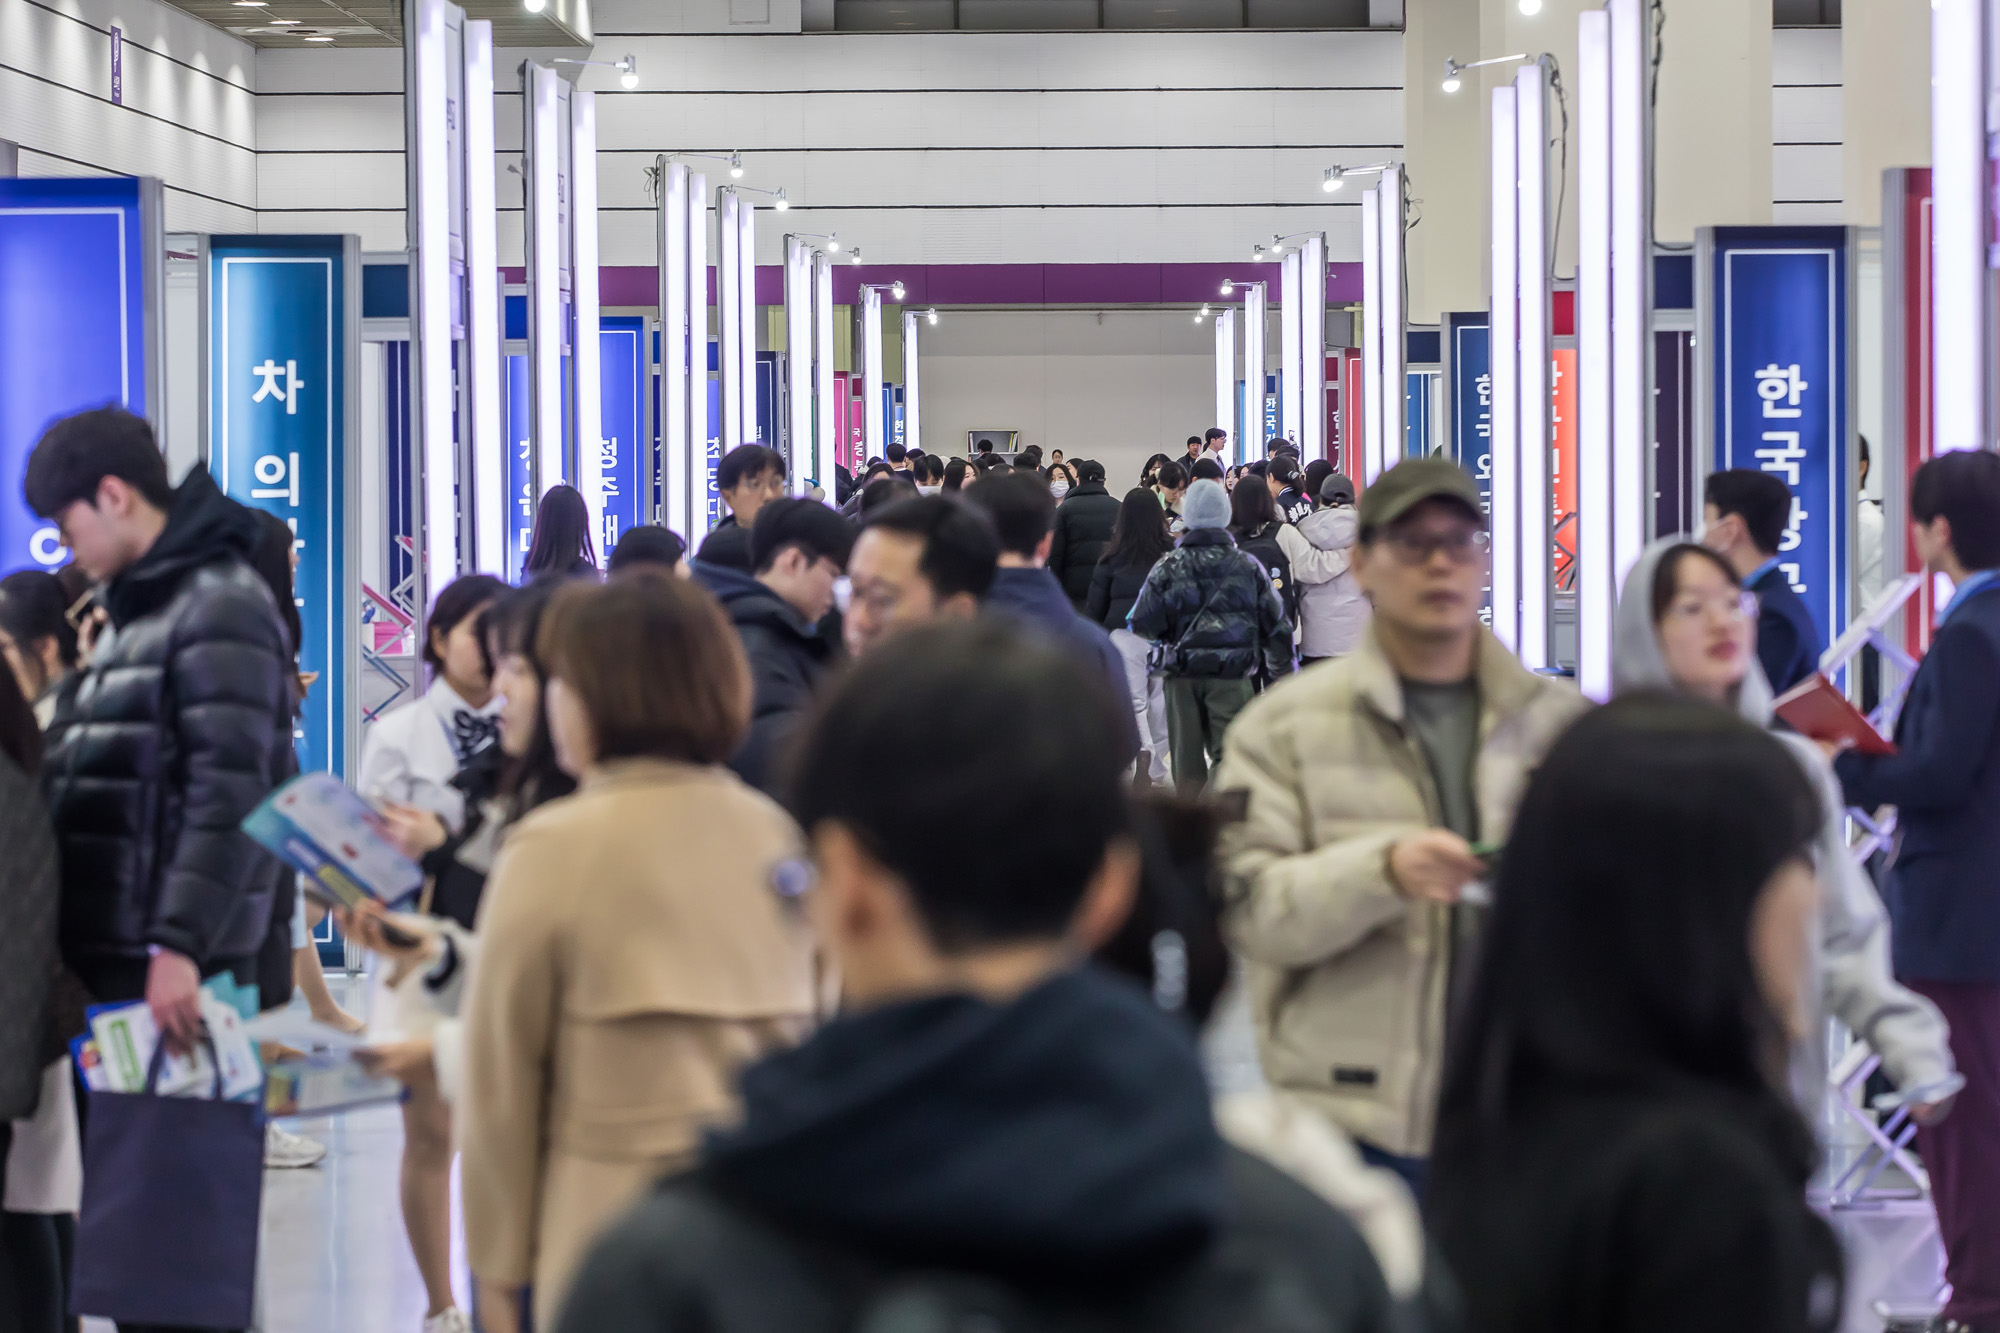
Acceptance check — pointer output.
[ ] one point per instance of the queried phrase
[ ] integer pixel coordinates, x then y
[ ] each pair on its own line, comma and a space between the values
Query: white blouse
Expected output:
410, 754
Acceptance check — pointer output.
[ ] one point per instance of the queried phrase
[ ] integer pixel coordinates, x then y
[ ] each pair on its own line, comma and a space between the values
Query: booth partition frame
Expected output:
1311, 438
826, 436
586, 371
673, 464
729, 313
1225, 368
542, 134
1250, 427
912, 421
1288, 346
485, 495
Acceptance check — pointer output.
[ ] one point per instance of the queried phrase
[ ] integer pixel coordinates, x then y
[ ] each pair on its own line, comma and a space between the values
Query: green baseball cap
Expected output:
1413, 481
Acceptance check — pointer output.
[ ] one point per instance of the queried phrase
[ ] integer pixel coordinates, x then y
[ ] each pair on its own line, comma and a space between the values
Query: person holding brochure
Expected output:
1684, 623
1943, 885
641, 941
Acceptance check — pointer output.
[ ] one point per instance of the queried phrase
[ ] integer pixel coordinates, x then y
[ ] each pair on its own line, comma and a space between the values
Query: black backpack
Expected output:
1263, 546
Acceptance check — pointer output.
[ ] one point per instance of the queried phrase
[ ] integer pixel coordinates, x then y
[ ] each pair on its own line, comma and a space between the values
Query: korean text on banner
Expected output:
1472, 418
622, 371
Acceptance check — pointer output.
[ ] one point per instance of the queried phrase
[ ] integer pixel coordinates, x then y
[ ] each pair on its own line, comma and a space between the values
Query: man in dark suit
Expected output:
1943, 886
1745, 514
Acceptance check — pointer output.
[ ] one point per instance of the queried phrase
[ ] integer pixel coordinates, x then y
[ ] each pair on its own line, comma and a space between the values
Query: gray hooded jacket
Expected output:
1852, 953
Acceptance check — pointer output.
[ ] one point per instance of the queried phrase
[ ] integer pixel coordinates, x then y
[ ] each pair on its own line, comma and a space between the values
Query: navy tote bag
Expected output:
171, 1191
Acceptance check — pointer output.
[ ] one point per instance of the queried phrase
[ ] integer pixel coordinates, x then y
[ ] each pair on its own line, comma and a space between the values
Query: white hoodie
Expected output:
1852, 959
1332, 614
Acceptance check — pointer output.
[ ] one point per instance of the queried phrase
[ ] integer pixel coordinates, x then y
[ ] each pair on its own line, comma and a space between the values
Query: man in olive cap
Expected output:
1368, 782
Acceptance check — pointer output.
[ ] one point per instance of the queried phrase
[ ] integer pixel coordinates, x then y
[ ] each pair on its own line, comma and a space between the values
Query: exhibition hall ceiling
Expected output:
286, 24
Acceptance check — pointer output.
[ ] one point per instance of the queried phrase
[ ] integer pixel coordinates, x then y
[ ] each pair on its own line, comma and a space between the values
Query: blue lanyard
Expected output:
1983, 579
1760, 572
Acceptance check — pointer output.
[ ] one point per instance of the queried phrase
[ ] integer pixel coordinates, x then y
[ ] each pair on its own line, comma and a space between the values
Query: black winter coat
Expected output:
1213, 610
1083, 529
787, 658
1114, 587
27, 940
178, 727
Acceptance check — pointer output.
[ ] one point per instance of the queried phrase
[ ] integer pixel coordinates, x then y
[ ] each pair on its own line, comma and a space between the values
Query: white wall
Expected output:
1081, 147
189, 114
1805, 125
1135, 384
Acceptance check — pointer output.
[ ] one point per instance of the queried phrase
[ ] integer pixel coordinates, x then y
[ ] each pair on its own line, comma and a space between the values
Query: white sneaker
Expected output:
283, 1149
448, 1321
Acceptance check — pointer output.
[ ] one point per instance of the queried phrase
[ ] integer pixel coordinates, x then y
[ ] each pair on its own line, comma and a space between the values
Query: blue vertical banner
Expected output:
1778, 343
712, 453
278, 337
623, 373
75, 256
520, 468
1472, 414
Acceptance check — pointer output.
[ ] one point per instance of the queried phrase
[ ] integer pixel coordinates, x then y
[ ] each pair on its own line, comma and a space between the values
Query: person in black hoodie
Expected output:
175, 730
747, 478
1084, 521
799, 549
1138, 540
994, 1131
1616, 1151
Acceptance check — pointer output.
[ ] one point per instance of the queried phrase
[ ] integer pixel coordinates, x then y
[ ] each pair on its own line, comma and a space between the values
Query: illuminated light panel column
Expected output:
1961, 345
431, 143
1288, 346
746, 318
729, 309
695, 520
1395, 350
1312, 348
1532, 275
1504, 523
1371, 340
799, 364
912, 422
671, 241
826, 444
485, 370
588, 385
1631, 152
1251, 429
1225, 368
544, 253
1596, 579
871, 382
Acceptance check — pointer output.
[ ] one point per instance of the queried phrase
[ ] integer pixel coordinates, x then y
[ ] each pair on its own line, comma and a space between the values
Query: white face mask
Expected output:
928, 490
1058, 488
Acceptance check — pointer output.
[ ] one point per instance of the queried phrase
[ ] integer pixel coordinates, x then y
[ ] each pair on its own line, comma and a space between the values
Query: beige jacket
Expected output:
1347, 977
634, 956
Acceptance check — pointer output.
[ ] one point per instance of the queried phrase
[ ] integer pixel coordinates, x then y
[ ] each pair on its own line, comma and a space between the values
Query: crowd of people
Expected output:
818, 929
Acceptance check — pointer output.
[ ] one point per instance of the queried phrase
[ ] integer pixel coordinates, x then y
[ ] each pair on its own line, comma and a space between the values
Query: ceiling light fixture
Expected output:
782, 203
252, 4
931, 314
1530, 8
896, 289
736, 166
855, 255
1451, 72
1453, 68
284, 23
1334, 178
534, 6
319, 39
628, 72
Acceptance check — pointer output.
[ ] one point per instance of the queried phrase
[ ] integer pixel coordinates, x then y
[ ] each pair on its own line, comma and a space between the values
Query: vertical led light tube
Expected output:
1504, 364
484, 367
1371, 341
746, 323
1631, 151
1395, 351
798, 362
1250, 434
729, 314
673, 248
912, 421
1312, 348
1596, 577
1225, 367
871, 381
1288, 346
430, 281
1960, 342
542, 139
1531, 110
826, 443
587, 353
695, 519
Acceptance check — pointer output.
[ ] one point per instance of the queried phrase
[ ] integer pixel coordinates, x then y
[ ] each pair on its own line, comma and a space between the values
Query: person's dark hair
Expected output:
1284, 471
1206, 469
33, 607
884, 757
1033, 451
961, 550
1194, 440
1285, 449
746, 462
77, 453
986, 446
561, 543
1257, 469
1089, 470
988, 461
20, 733
1171, 942
955, 473
807, 525
1064, 468
1862, 440
897, 453
1172, 476
1021, 509
511, 625
1214, 433
1616, 956
649, 544
1764, 502
1251, 510
616, 643
467, 595
883, 490
1963, 486
1667, 573
1139, 535
928, 469
1152, 466
1316, 473
271, 558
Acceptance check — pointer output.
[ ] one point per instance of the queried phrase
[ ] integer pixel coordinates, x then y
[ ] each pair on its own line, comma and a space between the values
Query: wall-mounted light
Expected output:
1453, 68
931, 314
628, 71
1451, 72
896, 290
1257, 255
736, 166
777, 196
854, 255
1333, 180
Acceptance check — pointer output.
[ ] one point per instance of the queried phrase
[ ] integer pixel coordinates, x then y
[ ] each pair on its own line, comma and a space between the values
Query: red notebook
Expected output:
1817, 710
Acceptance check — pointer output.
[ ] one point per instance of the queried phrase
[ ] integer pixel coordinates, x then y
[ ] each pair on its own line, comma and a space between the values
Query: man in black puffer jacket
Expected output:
174, 731
1220, 626
1083, 529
